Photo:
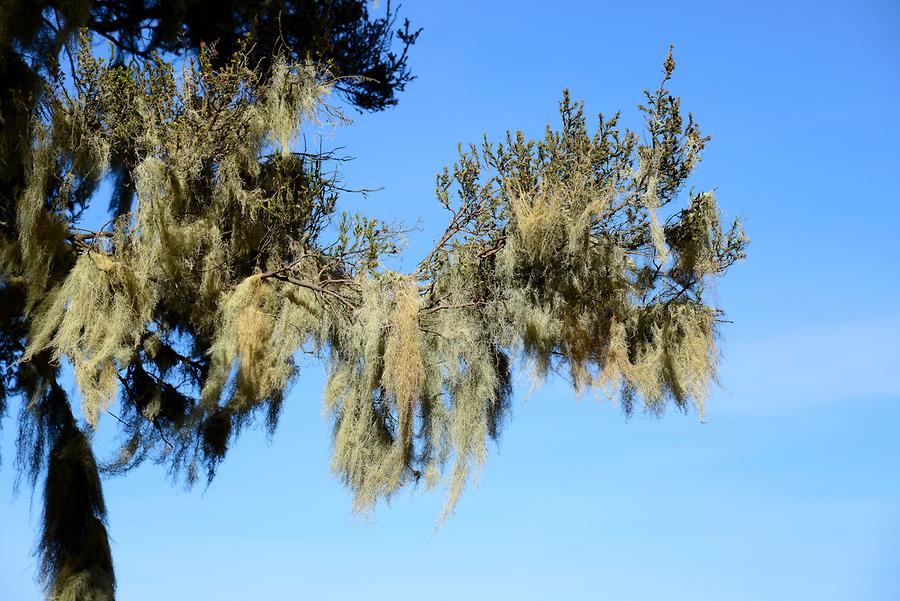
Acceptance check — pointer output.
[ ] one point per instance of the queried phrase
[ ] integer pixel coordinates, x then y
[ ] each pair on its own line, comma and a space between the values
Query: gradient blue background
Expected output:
790, 491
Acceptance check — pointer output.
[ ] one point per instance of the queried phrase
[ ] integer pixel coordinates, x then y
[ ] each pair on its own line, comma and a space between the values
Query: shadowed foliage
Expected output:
339, 34
74, 544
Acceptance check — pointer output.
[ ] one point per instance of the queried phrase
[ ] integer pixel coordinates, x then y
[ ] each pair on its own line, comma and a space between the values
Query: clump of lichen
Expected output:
225, 258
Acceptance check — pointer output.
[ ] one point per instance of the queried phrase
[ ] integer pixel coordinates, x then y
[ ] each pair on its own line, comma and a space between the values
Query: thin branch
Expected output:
153, 421
435, 308
315, 288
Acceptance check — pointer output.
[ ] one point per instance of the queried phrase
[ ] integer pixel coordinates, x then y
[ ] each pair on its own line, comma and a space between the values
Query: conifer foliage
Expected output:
183, 315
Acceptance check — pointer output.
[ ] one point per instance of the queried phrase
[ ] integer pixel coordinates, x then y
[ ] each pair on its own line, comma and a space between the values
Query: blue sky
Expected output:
791, 490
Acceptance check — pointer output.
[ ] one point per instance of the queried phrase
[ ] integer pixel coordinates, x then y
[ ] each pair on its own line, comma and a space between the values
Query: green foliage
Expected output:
191, 307
338, 33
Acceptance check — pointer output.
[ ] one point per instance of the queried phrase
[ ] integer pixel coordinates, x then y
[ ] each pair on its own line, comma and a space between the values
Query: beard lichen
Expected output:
192, 305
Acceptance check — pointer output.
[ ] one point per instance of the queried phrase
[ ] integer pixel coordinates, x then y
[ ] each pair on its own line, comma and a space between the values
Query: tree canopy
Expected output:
337, 33
182, 316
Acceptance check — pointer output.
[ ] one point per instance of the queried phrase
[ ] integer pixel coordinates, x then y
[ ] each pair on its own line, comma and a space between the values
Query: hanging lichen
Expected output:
192, 303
